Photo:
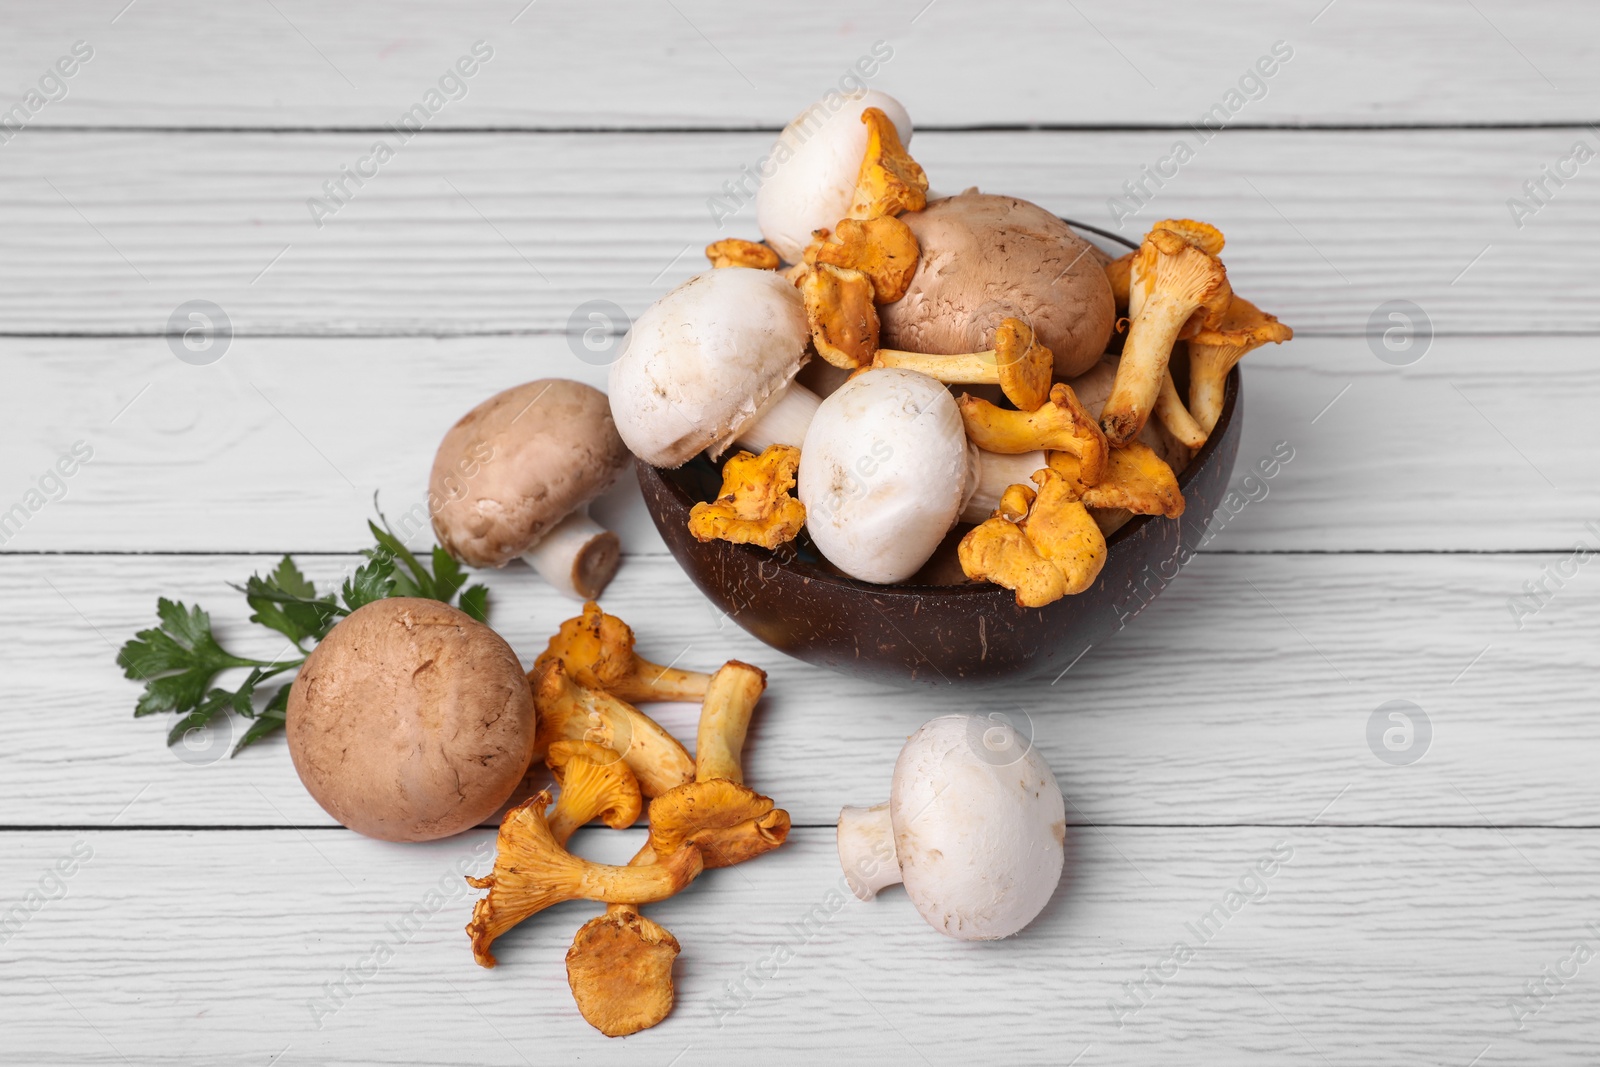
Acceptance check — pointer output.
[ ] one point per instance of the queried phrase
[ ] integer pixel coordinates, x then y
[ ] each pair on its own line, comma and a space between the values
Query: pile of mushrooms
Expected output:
608, 759
974, 374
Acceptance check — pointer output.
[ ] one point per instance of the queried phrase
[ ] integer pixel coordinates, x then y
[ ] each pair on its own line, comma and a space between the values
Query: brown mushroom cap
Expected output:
410, 721
988, 257
519, 463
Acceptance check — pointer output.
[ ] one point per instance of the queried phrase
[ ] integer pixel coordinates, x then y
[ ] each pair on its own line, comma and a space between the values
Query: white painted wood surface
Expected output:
219, 900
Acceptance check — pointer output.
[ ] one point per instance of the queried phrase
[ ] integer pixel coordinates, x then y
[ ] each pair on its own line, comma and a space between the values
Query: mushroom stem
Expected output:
1175, 417
967, 368
572, 712
577, 555
730, 700
596, 650
784, 422
866, 849
1017, 364
992, 473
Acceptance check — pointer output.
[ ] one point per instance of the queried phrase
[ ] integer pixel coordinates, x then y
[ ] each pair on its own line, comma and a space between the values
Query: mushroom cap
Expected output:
815, 162
883, 473
410, 721
705, 360
985, 258
519, 463
979, 827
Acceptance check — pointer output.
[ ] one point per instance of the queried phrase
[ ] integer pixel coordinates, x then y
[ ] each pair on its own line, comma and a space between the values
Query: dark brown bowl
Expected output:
932, 633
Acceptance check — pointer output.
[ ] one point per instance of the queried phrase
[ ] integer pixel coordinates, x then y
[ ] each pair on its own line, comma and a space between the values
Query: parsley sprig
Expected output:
179, 660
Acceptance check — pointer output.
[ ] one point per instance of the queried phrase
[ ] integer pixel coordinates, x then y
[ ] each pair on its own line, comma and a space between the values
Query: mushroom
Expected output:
841, 313
1017, 363
1214, 350
620, 963
889, 181
1093, 388
1173, 278
572, 712
737, 252
1043, 546
1119, 273
595, 784
985, 258
1136, 479
755, 507
975, 826
410, 721
711, 363
533, 872
597, 651
514, 477
1175, 417
1063, 424
882, 248
816, 167
995, 473
884, 471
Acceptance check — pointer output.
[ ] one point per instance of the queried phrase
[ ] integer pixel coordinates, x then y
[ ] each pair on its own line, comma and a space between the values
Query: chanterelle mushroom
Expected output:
1136, 479
532, 872
737, 252
816, 164
410, 721
1017, 363
514, 477
889, 181
1063, 424
597, 651
1172, 280
1214, 350
711, 363
595, 784
755, 507
882, 248
884, 471
843, 317
975, 827
985, 258
1042, 546
571, 712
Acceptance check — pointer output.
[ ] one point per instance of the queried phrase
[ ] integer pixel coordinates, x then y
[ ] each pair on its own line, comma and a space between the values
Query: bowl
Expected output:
937, 629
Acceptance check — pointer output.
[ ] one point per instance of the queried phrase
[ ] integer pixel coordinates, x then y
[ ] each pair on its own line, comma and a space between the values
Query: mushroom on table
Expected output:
515, 476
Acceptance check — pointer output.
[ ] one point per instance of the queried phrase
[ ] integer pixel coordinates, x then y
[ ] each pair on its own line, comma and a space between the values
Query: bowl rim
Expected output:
1128, 529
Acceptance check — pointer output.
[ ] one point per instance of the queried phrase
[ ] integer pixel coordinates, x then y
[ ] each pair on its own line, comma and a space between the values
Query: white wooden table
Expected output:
212, 907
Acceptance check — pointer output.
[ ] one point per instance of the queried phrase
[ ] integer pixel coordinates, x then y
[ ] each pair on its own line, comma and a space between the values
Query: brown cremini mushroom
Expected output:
532, 872
882, 248
890, 181
757, 505
1063, 424
984, 258
1173, 279
1017, 363
595, 784
572, 712
1042, 546
843, 317
515, 476
1214, 350
737, 252
410, 721
1136, 479
597, 651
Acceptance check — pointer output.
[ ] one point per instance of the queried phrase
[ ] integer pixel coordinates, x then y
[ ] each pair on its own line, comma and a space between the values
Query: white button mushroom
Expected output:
713, 362
975, 826
514, 477
817, 159
884, 471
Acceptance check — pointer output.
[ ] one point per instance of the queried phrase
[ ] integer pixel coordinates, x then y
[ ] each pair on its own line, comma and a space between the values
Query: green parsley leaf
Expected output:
177, 661
373, 580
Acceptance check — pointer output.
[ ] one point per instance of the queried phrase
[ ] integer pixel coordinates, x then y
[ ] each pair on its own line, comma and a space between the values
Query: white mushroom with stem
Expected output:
975, 826
514, 478
712, 363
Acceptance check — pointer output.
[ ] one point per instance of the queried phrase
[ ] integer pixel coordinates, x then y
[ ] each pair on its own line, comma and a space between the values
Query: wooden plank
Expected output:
229, 948
1244, 693
281, 445
111, 232
714, 62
